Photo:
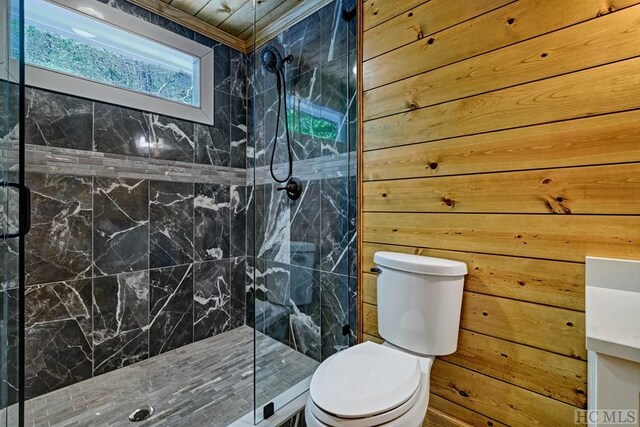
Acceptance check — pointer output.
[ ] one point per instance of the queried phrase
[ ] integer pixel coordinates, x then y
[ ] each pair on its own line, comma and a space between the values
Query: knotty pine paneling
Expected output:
376, 12
510, 24
578, 190
582, 46
553, 283
600, 90
421, 22
461, 413
552, 236
560, 377
611, 138
503, 135
497, 399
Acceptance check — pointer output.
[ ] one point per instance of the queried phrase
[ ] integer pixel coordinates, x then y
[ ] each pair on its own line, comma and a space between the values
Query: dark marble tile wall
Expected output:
60, 121
10, 359
120, 269
303, 252
320, 82
118, 274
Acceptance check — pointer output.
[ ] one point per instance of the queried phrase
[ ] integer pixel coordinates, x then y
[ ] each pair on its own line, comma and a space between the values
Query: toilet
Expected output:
419, 304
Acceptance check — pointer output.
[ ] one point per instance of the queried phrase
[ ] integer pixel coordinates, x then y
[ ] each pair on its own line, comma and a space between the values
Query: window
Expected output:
307, 118
93, 50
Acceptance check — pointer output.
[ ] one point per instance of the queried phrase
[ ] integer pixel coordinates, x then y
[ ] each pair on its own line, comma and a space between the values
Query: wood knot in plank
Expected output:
558, 205
461, 391
448, 201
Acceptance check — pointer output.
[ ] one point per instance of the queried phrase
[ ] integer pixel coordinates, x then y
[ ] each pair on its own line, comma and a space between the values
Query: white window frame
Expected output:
78, 86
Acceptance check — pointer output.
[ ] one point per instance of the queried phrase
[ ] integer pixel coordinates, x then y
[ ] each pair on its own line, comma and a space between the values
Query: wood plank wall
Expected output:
504, 134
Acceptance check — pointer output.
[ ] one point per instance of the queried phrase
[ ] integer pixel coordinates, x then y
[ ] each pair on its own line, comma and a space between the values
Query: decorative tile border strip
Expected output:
333, 166
90, 163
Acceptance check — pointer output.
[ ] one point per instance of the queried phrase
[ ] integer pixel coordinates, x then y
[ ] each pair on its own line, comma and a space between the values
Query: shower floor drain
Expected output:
141, 414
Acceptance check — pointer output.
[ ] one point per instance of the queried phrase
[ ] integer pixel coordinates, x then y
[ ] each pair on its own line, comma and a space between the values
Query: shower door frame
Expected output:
23, 194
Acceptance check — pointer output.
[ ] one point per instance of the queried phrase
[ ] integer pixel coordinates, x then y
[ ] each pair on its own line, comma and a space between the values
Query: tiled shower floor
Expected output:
207, 383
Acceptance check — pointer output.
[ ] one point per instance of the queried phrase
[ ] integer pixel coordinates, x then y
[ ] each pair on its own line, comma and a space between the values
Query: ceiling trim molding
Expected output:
289, 19
294, 16
176, 15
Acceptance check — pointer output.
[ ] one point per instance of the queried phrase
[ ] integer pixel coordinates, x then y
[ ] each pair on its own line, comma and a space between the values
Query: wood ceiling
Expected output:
231, 21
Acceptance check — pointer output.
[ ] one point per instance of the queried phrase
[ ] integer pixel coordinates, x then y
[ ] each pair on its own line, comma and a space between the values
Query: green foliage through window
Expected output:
306, 124
71, 56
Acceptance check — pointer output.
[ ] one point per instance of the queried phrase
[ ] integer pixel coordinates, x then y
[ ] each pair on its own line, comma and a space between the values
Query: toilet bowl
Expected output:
369, 385
387, 385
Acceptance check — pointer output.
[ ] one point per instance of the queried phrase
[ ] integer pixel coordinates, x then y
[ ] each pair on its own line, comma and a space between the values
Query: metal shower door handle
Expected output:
24, 194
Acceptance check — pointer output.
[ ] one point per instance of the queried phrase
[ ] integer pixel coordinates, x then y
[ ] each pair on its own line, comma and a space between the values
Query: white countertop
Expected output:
613, 307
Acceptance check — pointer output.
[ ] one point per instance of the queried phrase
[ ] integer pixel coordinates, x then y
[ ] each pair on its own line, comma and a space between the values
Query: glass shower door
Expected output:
10, 225
302, 250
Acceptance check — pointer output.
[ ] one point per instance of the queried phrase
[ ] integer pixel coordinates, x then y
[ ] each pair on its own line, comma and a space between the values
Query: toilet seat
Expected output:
364, 383
375, 420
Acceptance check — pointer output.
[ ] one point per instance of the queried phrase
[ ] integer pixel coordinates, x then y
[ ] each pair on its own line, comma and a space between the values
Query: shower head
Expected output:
271, 59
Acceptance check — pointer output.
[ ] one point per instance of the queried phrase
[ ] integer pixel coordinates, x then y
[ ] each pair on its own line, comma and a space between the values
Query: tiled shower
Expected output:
150, 233
137, 242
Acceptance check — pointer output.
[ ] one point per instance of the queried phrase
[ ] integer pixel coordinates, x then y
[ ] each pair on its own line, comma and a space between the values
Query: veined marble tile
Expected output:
212, 146
336, 228
222, 68
212, 221
337, 37
305, 310
121, 225
58, 247
9, 324
213, 308
239, 73
120, 320
272, 224
238, 288
170, 223
335, 312
58, 120
238, 132
305, 98
120, 130
171, 312
58, 341
238, 231
304, 42
9, 115
9, 222
213, 143
268, 118
171, 139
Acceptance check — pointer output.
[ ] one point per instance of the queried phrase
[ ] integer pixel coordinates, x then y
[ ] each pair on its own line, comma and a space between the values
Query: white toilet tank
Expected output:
419, 302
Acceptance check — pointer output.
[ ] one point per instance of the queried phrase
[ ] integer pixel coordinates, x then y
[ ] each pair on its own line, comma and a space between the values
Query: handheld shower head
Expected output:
274, 63
271, 59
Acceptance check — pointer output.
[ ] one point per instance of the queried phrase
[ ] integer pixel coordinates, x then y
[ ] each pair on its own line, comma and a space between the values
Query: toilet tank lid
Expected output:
420, 264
